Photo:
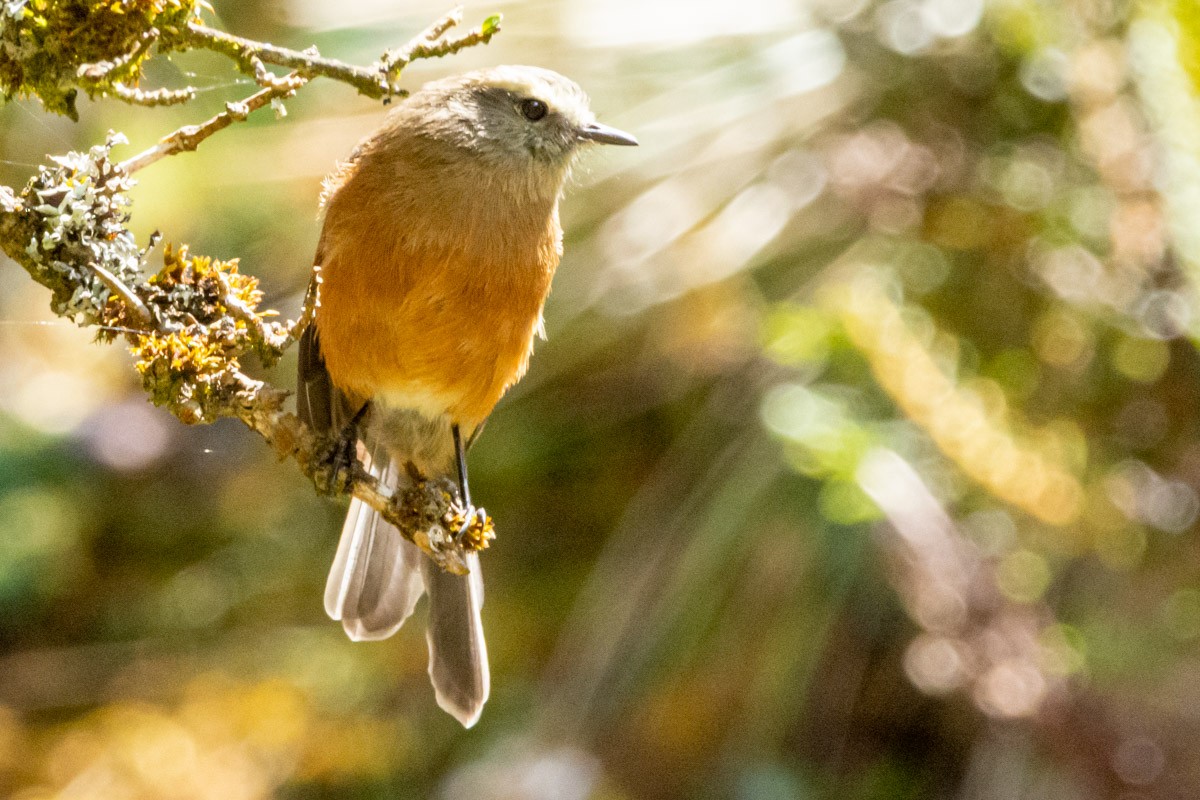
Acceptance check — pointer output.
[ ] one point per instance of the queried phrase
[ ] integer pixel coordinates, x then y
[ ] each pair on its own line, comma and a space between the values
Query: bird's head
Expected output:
513, 115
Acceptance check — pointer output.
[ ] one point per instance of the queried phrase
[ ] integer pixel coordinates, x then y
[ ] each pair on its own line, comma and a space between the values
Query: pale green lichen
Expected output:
78, 209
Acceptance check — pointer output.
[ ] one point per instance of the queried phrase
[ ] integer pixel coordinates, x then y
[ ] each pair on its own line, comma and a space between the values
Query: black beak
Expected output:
602, 134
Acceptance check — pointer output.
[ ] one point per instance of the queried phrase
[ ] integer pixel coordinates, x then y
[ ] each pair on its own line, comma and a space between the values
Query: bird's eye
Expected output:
533, 110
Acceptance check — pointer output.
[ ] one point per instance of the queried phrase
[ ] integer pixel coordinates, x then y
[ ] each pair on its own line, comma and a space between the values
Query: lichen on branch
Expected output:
73, 232
50, 49
53, 49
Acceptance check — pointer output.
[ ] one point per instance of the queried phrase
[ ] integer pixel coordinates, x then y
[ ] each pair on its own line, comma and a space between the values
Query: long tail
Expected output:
458, 662
377, 578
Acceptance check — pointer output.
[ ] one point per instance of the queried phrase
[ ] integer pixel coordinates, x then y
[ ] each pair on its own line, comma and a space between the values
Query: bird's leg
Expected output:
343, 451
464, 488
460, 455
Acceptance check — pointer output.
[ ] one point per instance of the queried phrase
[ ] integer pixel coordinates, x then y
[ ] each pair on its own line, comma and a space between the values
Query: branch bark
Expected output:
378, 81
189, 137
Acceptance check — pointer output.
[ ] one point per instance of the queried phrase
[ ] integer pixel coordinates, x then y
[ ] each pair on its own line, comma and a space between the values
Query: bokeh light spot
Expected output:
1063, 650
1181, 613
1023, 576
1139, 760
1012, 688
935, 664
1141, 360
1061, 339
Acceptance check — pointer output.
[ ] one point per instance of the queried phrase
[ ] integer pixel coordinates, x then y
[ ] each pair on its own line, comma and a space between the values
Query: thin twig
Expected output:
403, 57
189, 137
252, 56
430, 44
102, 69
126, 294
153, 97
377, 81
264, 78
246, 51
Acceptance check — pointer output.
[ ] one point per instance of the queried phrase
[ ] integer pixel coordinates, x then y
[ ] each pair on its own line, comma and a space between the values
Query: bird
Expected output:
440, 238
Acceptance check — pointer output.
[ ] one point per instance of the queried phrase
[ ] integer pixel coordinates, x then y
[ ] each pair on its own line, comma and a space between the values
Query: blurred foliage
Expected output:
862, 460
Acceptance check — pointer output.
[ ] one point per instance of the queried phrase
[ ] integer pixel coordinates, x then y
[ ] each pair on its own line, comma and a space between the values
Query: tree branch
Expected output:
154, 97
246, 52
377, 81
126, 294
189, 137
431, 44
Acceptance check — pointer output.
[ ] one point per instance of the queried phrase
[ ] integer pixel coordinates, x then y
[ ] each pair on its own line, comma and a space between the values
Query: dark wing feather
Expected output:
315, 392
321, 405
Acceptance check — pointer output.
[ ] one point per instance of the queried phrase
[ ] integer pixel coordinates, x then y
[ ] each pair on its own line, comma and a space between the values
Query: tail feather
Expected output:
375, 580
458, 664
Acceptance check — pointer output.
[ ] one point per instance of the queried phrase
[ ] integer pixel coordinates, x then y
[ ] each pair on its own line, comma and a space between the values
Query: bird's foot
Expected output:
476, 530
339, 460
473, 516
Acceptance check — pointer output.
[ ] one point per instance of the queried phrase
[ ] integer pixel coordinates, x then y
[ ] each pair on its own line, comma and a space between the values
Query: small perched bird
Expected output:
441, 237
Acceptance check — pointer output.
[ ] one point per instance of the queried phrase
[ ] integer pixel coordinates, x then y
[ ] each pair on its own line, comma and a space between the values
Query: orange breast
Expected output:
414, 306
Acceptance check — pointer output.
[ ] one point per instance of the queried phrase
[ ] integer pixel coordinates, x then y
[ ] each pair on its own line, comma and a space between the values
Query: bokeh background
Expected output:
861, 461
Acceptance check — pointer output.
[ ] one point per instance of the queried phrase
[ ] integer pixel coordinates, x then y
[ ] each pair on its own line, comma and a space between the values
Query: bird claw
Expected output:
470, 518
341, 456
338, 460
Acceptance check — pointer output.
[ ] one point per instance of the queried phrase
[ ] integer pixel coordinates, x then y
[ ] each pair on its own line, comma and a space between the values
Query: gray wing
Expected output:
320, 405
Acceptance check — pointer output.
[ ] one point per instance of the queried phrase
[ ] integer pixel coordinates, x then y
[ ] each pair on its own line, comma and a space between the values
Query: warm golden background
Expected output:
861, 462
